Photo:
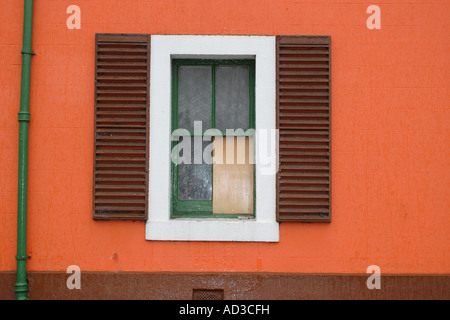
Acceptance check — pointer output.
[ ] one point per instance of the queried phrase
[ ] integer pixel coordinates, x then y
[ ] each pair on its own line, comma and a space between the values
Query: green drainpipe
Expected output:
21, 286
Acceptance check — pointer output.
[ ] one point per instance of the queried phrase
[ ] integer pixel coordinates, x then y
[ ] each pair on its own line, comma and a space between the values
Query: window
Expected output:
166, 51
213, 118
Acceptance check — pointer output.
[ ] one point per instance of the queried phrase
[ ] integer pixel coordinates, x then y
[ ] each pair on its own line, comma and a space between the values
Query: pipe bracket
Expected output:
26, 257
24, 116
30, 52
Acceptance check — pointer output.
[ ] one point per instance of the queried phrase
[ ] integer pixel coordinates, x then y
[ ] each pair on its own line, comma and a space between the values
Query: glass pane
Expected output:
194, 96
195, 179
232, 97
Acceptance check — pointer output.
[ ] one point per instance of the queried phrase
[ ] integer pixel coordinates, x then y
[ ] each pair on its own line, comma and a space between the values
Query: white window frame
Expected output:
160, 226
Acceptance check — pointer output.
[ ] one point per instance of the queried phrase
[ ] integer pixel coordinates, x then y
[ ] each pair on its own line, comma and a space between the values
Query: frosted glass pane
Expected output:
232, 97
194, 96
195, 180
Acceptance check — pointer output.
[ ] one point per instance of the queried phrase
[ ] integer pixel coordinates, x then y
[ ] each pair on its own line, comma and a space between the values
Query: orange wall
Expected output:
390, 99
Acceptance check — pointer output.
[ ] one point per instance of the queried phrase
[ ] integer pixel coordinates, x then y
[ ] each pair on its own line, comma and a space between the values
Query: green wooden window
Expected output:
220, 94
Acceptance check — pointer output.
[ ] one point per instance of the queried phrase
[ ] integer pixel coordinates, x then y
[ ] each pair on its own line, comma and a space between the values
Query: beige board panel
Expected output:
233, 175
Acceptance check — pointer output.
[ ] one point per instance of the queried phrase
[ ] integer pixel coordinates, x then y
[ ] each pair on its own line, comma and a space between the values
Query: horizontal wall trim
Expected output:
235, 286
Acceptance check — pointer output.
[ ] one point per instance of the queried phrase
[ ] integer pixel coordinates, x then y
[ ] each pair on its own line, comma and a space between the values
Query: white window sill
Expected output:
217, 230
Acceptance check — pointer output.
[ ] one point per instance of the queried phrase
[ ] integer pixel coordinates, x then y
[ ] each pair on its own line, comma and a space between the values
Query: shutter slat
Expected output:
305, 203
120, 85
118, 130
120, 194
303, 195
121, 127
122, 158
122, 119
304, 66
114, 98
116, 57
115, 137
294, 175
303, 108
303, 73
289, 57
303, 146
304, 139
117, 166
294, 211
122, 144
121, 50
283, 188
121, 63
303, 160
121, 202
121, 78
303, 114
120, 187
304, 182
304, 86
303, 79
304, 119
308, 50
303, 93
122, 209
119, 172
122, 113
304, 132
299, 100
126, 92
121, 70
301, 153
115, 179
121, 151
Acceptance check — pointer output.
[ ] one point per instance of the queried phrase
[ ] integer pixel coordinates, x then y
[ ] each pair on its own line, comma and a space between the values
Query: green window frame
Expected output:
204, 208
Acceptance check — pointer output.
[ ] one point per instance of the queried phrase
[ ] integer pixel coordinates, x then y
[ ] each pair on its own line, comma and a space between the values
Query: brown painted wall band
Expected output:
269, 286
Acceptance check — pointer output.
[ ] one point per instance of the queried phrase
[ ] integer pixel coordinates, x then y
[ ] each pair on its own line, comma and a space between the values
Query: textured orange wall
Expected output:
390, 99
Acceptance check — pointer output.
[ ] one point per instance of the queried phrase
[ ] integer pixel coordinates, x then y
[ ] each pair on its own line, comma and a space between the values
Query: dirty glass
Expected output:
195, 179
232, 97
194, 96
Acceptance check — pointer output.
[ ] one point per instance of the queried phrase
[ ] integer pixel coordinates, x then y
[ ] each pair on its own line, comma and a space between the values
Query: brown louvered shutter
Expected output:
304, 118
121, 148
